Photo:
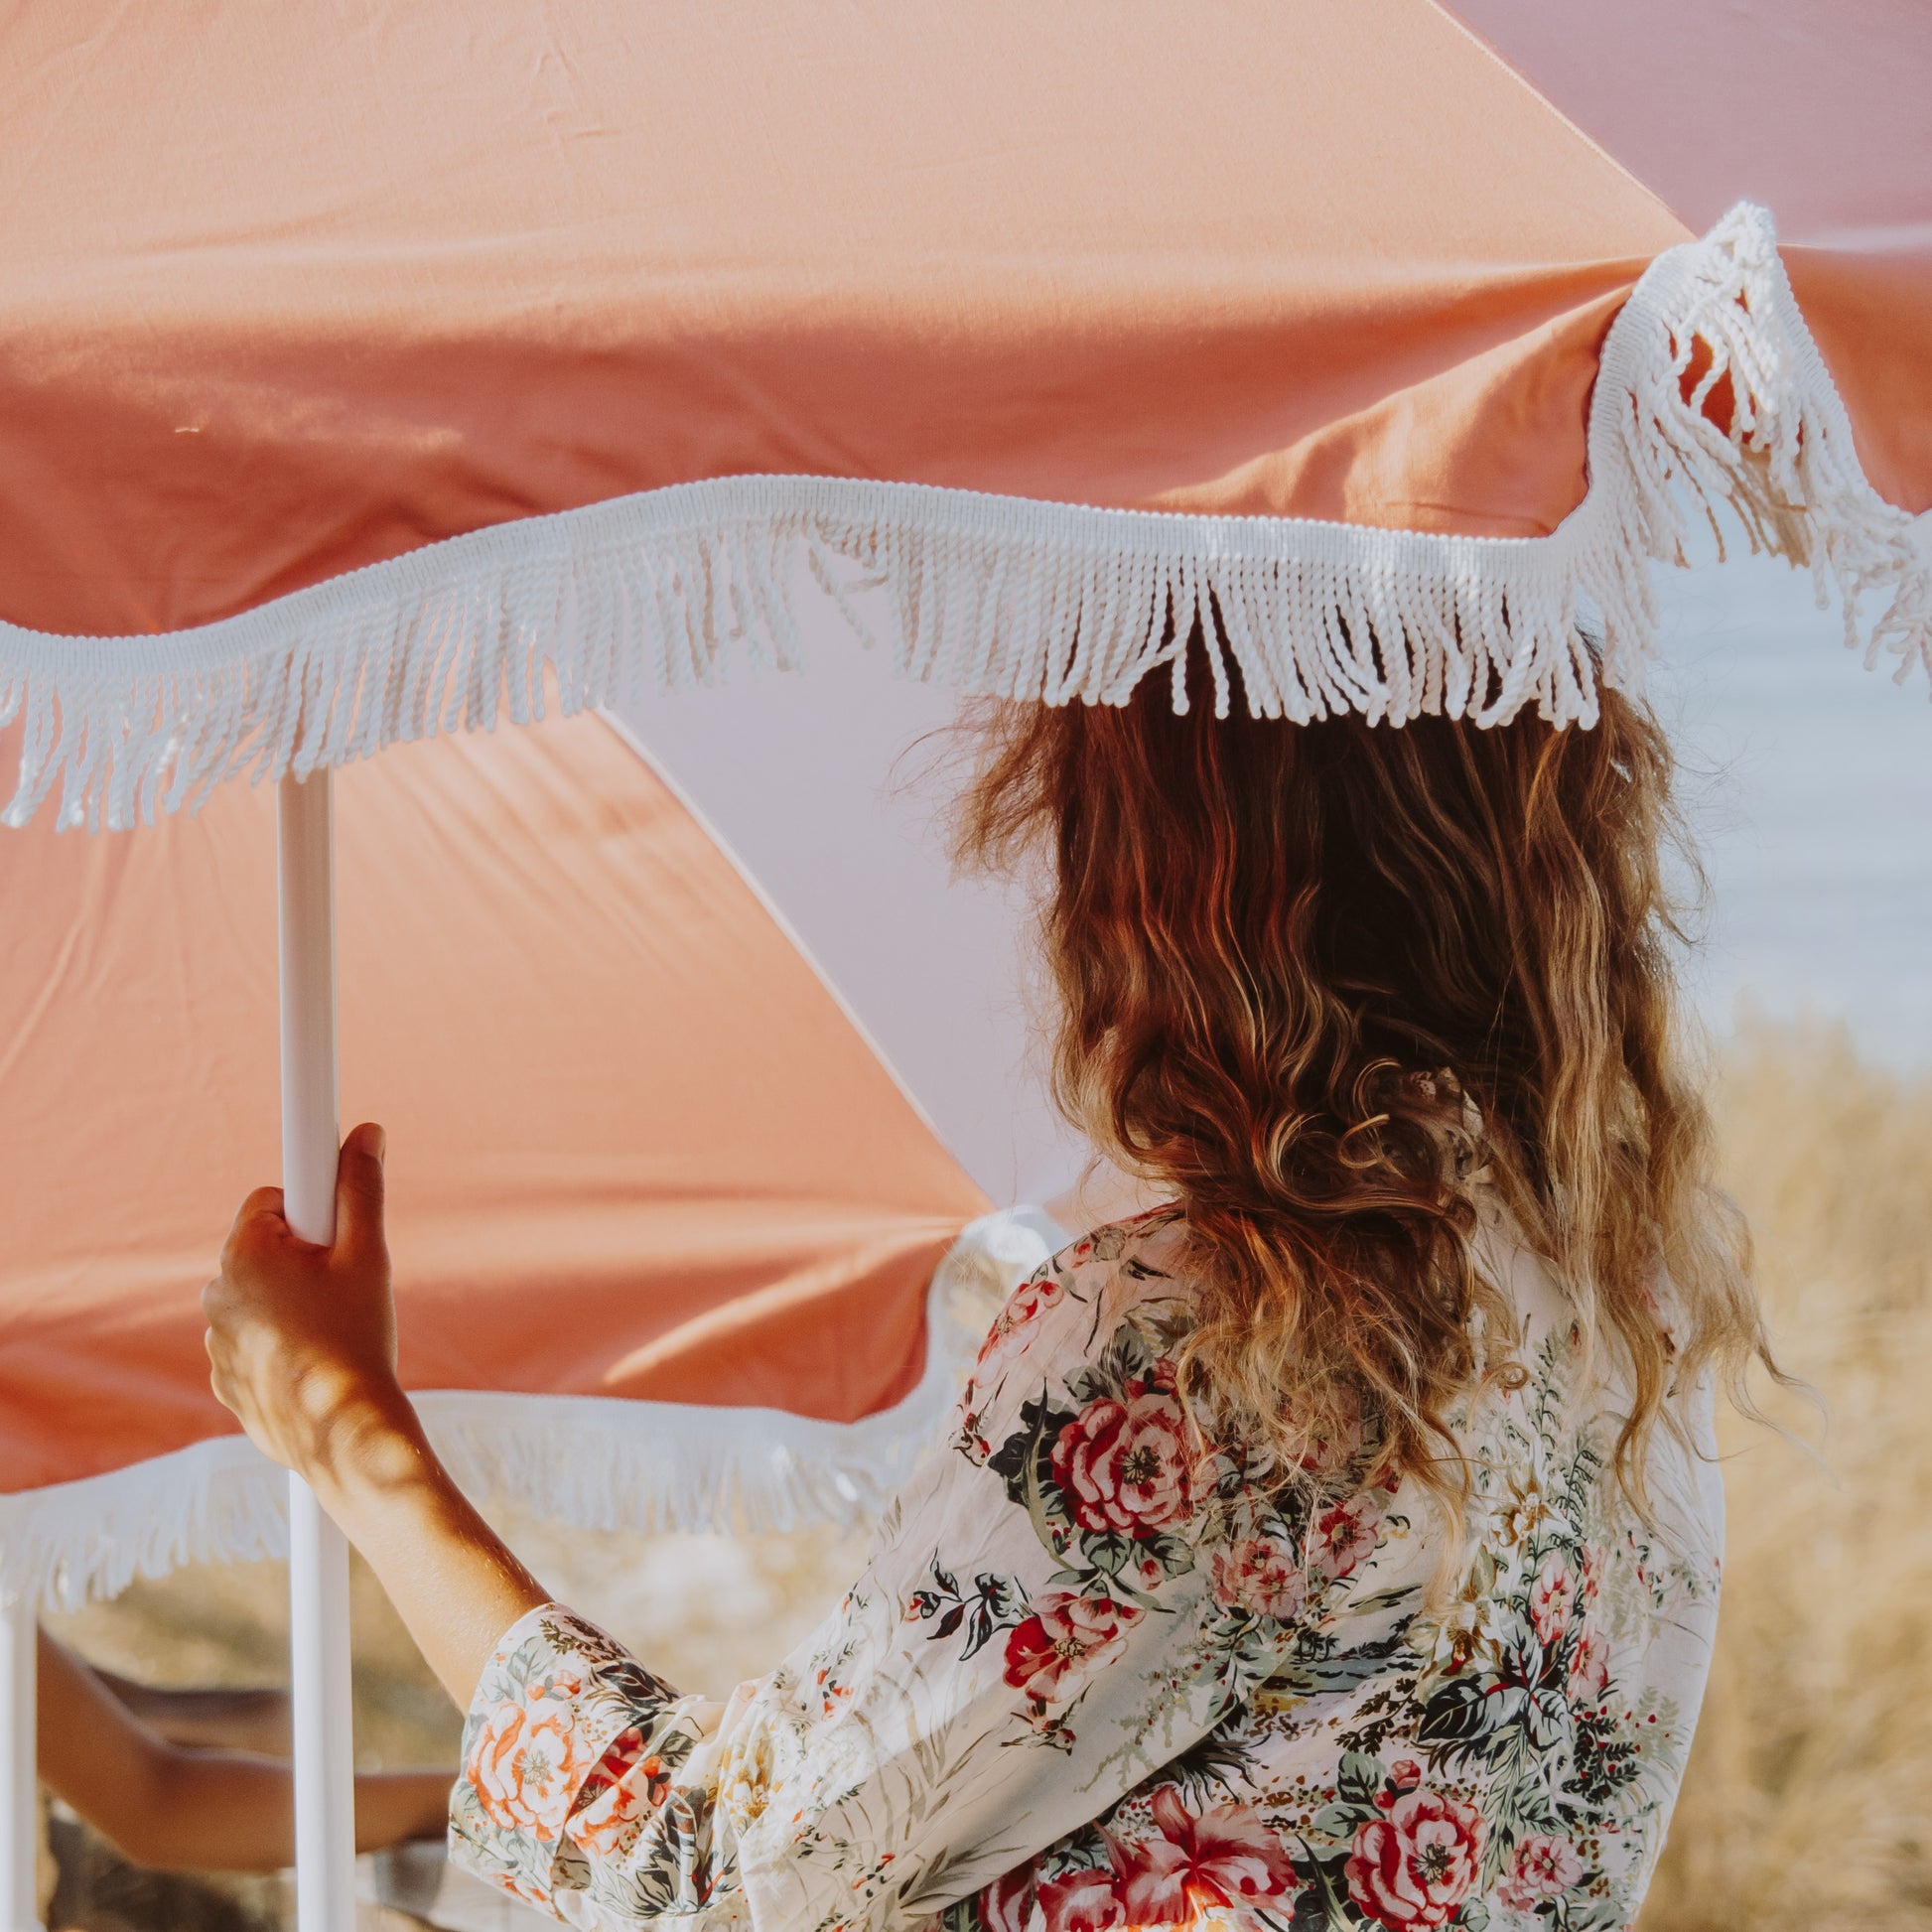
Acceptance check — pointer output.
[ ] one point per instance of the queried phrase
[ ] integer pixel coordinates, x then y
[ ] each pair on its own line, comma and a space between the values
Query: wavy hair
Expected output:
1297, 964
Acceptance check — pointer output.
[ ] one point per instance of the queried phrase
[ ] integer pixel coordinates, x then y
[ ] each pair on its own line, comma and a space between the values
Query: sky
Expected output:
1809, 784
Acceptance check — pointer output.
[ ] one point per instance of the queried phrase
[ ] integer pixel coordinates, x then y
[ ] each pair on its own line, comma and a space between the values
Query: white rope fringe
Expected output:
594, 1463
1008, 597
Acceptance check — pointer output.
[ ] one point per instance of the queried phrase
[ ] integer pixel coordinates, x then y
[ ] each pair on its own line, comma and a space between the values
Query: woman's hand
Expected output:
303, 1342
302, 1338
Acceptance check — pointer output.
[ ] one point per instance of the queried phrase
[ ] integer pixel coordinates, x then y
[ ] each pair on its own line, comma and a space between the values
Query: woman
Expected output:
1337, 1544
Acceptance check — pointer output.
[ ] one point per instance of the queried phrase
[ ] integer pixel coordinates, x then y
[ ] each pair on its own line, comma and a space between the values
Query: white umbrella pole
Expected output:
324, 1776
19, 1794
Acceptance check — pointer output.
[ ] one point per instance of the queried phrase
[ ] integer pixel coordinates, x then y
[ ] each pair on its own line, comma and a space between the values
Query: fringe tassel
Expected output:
1011, 598
594, 1463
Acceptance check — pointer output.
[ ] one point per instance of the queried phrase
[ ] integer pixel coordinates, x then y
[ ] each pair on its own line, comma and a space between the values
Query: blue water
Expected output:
1810, 791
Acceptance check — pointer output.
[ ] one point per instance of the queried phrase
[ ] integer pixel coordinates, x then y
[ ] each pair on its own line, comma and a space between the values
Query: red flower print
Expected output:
1589, 1666
1416, 1865
1062, 1637
1405, 1774
1083, 1901
527, 1763
628, 1783
1550, 1597
1127, 1466
1544, 1868
1259, 1575
1006, 1904
1343, 1534
1224, 1857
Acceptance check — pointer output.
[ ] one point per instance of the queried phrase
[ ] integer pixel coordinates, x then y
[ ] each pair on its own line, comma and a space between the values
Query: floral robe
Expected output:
1091, 1679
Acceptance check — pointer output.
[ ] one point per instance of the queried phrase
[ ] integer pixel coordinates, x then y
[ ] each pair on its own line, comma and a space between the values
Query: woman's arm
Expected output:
302, 1340
172, 1808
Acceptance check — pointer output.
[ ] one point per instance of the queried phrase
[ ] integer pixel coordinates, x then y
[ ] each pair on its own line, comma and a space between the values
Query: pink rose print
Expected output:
527, 1765
1544, 1868
1225, 1856
1083, 1901
1416, 1867
1405, 1774
1589, 1666
1259, 1575
1128, 1465
1062, 1637
628, 1783
1550, 1599
1344, 1536
1006, 1904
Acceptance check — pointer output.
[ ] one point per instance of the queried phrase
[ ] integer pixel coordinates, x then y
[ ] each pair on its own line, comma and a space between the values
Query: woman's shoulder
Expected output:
1109, 1308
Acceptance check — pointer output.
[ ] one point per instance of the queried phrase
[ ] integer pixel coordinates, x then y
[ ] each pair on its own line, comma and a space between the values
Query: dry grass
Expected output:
1808, 1802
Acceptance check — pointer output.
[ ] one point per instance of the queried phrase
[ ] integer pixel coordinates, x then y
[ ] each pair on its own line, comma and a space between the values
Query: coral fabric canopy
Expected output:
369, 372
1049, 319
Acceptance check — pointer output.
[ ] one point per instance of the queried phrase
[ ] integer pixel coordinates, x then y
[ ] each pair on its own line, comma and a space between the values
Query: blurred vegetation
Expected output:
1808, 1798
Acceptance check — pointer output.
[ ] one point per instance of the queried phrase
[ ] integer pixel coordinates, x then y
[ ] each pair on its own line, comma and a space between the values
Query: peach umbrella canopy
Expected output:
356, 279
639, 1149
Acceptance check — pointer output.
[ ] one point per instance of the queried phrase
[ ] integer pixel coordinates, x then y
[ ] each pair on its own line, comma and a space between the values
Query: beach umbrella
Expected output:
375, 373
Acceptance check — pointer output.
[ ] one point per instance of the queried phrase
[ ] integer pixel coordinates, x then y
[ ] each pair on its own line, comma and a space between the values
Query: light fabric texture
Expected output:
354, 281
1095, 1677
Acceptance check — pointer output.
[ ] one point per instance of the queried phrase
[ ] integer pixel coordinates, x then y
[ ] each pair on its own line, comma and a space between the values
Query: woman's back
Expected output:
1402, 1750
1097, 1674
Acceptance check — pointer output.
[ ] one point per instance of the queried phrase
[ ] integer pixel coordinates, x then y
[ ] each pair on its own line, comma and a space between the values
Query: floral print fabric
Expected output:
1095, 1676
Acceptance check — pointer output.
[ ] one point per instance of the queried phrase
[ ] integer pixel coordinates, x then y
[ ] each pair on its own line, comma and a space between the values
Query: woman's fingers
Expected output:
300, 1338
263, 1205
359, 1192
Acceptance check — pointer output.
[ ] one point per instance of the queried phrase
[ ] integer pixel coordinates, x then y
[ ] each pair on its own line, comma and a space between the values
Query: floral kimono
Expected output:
1092, 1679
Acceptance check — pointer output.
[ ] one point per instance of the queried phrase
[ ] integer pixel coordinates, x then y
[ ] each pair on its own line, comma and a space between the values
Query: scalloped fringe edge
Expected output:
594, 1463
1011, 597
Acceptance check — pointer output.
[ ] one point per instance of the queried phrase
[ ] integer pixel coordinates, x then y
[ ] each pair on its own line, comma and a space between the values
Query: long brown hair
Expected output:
1294, 962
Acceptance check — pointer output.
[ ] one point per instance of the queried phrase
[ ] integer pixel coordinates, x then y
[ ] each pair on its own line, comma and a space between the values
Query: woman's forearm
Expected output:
227, 1811
452, 1581
183, 1808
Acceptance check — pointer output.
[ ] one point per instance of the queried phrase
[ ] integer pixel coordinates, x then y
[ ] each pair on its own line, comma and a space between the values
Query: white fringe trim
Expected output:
594, 1463
1009, 596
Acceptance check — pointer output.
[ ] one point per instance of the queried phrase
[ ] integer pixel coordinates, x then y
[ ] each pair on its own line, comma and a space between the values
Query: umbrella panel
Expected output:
637, 1149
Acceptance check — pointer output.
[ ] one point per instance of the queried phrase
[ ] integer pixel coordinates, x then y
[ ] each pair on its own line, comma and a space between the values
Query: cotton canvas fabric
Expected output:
371, 375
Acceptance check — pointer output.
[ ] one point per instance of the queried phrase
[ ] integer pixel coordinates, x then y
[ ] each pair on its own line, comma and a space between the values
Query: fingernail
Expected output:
381, 1144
